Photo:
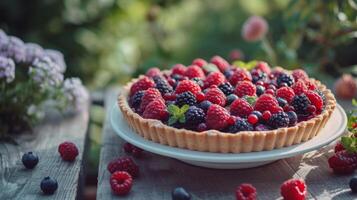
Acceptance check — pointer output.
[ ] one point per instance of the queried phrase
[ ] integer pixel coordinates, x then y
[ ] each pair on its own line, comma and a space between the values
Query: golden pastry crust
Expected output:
219, 142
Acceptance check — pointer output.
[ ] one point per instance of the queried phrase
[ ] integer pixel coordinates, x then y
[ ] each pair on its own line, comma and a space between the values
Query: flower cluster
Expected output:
39, 82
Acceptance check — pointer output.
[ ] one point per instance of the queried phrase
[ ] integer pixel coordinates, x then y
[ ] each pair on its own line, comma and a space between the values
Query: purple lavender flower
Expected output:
7, 69
56, 57
33, 51
45, 72
4, 40
75, 93
15, 49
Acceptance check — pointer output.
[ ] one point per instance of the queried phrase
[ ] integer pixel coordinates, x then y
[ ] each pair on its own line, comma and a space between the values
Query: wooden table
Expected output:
17, 182
159, 175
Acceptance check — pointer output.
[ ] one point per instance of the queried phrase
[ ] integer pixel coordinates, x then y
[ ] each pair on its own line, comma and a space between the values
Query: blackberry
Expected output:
280, 119
194, 116
162, 85
259, 77
285, 78
322, 95
29, 160
293, 118
135, 100
260, 90
300, 104
226, 88
185, 98
204, 105
282, 102
240, 125
230, 99
198, 81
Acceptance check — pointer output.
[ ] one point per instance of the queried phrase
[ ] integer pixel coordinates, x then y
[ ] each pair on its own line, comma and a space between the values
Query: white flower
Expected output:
45, 72
7, 69
75, 93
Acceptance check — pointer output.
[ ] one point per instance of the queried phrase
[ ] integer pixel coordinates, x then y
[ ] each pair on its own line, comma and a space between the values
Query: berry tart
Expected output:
217, 107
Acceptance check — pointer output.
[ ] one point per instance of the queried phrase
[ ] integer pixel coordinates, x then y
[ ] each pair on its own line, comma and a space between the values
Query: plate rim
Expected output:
186, 154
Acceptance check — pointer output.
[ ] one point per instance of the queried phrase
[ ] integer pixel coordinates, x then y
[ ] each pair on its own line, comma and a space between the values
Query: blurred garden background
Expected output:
106, 42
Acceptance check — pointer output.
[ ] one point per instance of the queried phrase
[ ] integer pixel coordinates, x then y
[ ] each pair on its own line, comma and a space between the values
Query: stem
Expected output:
269, 50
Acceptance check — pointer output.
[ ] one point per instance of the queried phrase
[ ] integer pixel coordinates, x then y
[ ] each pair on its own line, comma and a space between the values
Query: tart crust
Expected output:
219, 142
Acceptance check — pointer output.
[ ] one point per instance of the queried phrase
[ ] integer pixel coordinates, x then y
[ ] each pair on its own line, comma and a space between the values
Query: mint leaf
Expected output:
182, 119
173, 109
349, 143
250, 99
210, 68
172, 120
354, 102
245, 65
184, 108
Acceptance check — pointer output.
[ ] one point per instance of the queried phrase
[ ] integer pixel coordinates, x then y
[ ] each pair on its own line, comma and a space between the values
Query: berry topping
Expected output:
178, 69
150, 95
285, 93
142, 84
280, 119
293, 189
315, 99
199, 62
198, 81
68, 151
180, 193
300, 104
246, 192
29, 160
156, 110
299, 87
293, 118
49, 185
240, 125
253, 119
245, 88
194, 116
121, 183
214, 78
194, 71
260, 90
226, 88
266, 115
285, 78
221, 63
343, 162
162, 85
135, 100
266, 102
299, 74
241, 108
124, 164
204, 105
217, 117
153, 72
240, 75
186, 98
263, 67
282, 102
216, 96
188, 86
230, 99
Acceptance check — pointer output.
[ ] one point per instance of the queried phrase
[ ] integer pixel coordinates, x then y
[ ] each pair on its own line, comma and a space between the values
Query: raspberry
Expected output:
285, 78
162, 85
293, 189
136, 151
68, 151
245, 88
343, 162
187, 86
178, 69
150, 95
240, 75
230, 99
186, 98
285, 93
246, 192
199, 62
299, 87
266, 102
278, 120
315, 99
128, 148
216, 96
339, 147
214, 78
142, 84
135, 100
156, 110
299, 74
194, 116
124, 164
221, 63
300, 104
217, 117
121, 183
263, 67
204, 105
153, 72
226, 88
240, 125
310, 85
322, 95
29, 160
241, 108
194, 71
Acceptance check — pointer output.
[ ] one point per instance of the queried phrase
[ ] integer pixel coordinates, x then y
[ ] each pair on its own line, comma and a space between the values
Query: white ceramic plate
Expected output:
334, 128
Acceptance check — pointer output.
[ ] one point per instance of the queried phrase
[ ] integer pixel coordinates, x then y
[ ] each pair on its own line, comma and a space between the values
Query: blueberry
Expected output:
204, 105
260, 90
48, 185
30, 160
230, 99
353, 184
292, 118
228, 73
282, 102
180, 193
258, 114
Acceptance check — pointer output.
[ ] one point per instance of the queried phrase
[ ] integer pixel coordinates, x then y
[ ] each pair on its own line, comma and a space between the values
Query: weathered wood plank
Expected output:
17, 182
159, 175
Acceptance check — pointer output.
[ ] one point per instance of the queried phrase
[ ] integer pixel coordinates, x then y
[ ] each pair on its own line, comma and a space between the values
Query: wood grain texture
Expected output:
159, 175
17, 182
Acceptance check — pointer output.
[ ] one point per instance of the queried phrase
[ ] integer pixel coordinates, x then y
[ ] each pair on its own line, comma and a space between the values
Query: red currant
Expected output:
252, 119
266, 115
200, 97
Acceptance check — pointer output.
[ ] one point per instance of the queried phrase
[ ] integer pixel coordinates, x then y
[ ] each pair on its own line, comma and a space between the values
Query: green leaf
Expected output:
172, 120
354, 102
173, 109
210, 68
182, 119
349, 143
184, 108
245, 65
250, 99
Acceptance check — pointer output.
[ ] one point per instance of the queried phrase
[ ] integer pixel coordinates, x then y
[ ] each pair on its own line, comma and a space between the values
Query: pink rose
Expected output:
254, 29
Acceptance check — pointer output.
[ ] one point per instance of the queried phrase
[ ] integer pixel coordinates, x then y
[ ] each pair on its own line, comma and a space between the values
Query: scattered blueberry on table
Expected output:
30, 160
